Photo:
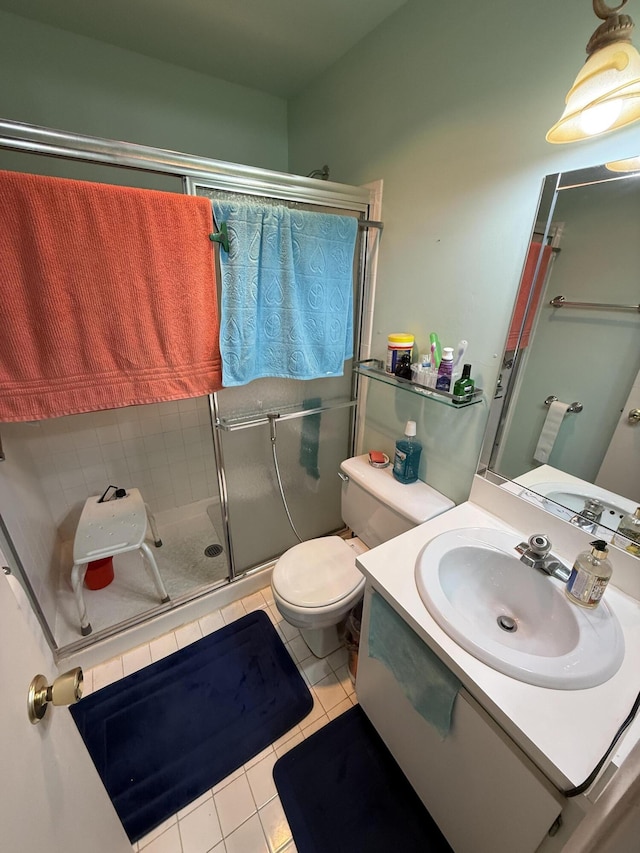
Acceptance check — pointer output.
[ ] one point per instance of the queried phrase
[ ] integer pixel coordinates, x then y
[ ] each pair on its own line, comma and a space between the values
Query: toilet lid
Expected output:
317, 573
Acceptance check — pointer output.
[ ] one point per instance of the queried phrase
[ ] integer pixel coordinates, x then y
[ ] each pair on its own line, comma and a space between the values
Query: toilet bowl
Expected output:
316, 583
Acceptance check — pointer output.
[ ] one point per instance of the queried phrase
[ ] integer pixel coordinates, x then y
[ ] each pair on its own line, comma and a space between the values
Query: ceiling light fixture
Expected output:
631, 164
606, 92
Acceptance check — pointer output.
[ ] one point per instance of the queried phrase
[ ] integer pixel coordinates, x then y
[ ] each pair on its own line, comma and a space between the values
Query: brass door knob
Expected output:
65, 690
634, 416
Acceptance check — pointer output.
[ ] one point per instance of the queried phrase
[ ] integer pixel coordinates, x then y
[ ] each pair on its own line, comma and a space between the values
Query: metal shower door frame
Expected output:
292, 189
193, 170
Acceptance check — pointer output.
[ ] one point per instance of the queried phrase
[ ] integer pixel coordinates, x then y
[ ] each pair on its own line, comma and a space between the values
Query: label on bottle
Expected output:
597, 589
585, 587
628, 538
399, 462
463, 389
394, 354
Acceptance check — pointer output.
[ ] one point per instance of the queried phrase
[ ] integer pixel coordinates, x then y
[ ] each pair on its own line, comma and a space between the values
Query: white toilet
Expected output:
316, 583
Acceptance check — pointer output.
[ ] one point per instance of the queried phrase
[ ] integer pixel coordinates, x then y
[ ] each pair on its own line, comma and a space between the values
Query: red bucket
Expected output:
99, 573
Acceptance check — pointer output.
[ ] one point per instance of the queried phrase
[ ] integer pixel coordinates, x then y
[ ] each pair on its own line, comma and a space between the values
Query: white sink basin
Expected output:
512, 617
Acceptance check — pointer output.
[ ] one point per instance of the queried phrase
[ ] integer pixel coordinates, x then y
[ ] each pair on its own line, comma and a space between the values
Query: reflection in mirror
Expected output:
564, 427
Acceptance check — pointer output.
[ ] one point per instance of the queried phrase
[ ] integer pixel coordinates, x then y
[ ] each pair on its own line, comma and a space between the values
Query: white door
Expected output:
620, 466
51, 797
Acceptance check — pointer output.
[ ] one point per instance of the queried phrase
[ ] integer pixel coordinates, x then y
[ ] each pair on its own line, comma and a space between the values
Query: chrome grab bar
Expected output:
267, 417
561, 302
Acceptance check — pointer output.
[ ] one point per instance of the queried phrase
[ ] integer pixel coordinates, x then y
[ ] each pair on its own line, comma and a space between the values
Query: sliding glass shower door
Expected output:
309, 424
165, 450
312, 426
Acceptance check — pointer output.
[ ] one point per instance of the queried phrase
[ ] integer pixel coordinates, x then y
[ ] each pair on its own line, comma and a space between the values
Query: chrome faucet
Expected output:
536, 554
589, 516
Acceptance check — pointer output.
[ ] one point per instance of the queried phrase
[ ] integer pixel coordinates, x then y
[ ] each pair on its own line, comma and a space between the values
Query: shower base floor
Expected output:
182, 563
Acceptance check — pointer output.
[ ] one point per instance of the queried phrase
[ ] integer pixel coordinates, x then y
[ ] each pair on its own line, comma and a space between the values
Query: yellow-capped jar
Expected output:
398, 344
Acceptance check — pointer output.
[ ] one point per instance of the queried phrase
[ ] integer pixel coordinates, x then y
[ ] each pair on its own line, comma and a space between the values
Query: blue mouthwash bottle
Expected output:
407, 458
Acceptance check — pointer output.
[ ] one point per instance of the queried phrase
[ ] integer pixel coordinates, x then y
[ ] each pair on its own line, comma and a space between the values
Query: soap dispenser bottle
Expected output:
627, 535
407, 457
590, 575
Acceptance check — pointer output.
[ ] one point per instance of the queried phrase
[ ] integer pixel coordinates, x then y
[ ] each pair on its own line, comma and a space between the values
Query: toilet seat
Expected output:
318, 573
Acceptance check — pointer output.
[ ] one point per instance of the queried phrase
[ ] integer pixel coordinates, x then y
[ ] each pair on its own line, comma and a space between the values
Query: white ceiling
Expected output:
277, 46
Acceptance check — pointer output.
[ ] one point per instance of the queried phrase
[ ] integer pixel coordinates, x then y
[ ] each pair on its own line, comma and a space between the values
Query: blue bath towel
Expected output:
287, 292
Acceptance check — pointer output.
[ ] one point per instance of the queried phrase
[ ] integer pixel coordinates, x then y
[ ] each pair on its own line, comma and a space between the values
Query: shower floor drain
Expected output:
213, 550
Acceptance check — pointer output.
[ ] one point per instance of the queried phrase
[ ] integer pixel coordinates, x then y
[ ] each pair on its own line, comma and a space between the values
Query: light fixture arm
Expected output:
615, 27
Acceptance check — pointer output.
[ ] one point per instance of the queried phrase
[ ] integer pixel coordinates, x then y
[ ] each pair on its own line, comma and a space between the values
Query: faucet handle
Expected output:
535, 554
539, 544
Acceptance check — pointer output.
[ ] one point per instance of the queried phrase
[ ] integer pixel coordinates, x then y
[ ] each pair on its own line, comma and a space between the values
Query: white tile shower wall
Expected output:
163, 449
28, 519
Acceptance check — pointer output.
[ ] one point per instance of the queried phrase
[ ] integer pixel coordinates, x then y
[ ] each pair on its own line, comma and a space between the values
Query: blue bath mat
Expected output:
342, 791
166, 734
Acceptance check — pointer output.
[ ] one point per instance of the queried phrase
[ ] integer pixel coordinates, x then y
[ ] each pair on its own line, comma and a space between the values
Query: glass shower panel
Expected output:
309, 451
166, 450
163, 450
309, 447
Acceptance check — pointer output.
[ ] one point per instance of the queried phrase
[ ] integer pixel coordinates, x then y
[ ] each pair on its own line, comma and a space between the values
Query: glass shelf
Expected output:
372, 368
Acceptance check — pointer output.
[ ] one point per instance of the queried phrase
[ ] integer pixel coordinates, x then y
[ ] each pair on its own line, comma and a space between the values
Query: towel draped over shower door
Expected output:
108, 297
287, 292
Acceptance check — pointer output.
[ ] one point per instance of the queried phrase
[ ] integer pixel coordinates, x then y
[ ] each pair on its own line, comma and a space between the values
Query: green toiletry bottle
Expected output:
463, 388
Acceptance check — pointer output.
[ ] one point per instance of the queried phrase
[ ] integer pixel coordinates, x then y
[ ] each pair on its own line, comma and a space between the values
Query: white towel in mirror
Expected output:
550, 429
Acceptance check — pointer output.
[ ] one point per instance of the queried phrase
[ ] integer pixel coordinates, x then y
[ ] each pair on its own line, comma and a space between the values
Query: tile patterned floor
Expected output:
243, 813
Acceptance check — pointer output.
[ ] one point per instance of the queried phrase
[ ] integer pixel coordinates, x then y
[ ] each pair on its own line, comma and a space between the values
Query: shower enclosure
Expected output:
215, 471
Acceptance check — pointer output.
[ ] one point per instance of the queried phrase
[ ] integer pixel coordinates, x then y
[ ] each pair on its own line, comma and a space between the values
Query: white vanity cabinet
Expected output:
481, 789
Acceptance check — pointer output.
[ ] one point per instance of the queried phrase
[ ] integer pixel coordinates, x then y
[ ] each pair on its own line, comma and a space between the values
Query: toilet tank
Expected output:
377, 507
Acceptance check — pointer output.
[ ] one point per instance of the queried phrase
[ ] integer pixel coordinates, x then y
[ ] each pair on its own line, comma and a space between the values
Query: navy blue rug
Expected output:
342, 791
166, 734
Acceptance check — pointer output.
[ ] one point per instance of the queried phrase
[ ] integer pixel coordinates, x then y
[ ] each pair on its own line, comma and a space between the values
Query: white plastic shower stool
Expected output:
109, 528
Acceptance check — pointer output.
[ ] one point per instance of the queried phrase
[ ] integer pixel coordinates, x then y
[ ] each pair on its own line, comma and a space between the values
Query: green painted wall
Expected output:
54, 78
449, 104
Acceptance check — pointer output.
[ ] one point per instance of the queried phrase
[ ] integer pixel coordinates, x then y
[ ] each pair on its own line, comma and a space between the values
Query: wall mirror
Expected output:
574, 341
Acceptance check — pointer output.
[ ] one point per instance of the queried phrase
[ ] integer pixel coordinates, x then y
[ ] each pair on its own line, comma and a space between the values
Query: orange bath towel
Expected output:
526, 283
108, 297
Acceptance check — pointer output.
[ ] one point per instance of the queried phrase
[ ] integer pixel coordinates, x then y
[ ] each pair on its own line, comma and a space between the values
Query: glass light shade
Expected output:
605, 95
630, 164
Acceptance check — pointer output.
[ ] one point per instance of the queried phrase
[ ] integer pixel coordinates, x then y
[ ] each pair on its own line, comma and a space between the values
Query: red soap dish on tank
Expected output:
378, 459
99, 573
